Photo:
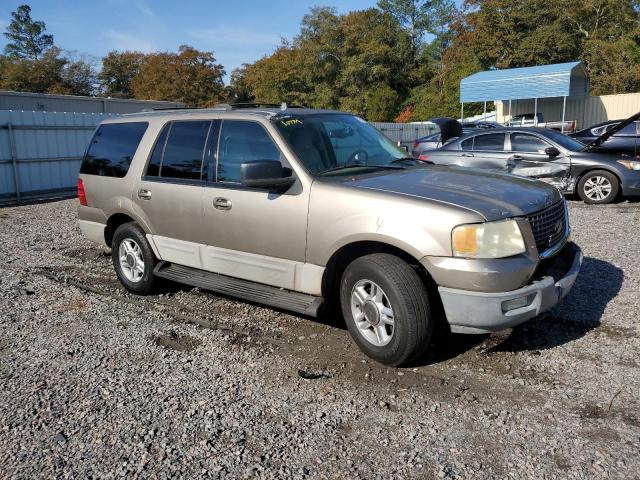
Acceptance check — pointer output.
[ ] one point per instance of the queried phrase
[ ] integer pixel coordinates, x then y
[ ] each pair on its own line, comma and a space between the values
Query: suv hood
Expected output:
612, 131
492, 195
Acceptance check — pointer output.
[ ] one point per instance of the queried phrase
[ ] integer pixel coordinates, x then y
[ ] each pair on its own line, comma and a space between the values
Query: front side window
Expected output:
112, 148
493, 142
521, 142
240, 142
336, 144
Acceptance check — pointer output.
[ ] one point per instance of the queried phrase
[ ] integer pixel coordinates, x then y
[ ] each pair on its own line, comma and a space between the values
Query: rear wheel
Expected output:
386, 308
133, 258
598, 187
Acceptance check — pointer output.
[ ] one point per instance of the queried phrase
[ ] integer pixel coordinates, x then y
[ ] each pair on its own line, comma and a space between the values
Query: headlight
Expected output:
487, 240
630, 164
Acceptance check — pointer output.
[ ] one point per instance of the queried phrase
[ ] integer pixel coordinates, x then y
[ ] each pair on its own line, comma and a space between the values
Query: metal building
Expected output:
559, 81
44, 102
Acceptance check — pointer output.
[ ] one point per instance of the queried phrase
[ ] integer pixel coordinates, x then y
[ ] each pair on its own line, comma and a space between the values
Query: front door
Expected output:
252, 233
528, 157
170, 191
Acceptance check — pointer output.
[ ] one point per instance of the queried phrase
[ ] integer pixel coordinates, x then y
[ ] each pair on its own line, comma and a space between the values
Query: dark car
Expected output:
624, 139
544, 154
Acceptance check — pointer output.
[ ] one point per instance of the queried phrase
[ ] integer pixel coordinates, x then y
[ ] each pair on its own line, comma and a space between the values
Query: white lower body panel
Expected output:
278, 272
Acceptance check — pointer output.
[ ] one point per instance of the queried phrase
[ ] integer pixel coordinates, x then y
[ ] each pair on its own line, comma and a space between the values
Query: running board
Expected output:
244, 289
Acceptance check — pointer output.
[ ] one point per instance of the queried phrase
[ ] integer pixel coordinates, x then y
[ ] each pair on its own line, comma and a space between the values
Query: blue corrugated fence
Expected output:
40, 152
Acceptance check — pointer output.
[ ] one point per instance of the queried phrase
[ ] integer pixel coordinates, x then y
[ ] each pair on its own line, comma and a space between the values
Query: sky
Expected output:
237, 31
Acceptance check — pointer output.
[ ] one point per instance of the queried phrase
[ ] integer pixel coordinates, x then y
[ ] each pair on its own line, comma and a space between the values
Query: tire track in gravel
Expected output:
326, 349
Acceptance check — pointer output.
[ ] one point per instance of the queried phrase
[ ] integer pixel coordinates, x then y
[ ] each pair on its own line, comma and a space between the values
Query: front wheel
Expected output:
386, 308
133, 259
598, 187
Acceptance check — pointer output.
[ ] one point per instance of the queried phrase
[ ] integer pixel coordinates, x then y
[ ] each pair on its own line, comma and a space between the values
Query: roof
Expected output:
542, 81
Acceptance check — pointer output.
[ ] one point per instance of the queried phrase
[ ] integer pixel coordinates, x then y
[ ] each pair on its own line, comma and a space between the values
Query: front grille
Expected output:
549, 226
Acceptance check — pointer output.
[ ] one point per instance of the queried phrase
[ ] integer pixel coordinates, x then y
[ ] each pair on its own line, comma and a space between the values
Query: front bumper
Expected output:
480, 312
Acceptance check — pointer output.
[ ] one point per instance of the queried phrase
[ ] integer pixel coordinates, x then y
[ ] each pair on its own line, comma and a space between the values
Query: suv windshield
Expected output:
333, 144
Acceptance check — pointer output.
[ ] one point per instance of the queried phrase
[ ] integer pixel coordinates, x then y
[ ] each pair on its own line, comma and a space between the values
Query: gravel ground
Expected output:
96, 383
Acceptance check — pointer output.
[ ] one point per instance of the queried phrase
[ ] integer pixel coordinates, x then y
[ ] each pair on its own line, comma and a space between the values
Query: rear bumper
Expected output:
480, 312
94, 231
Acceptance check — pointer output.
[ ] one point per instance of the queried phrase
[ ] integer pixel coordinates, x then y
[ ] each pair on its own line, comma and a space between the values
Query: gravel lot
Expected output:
96, 383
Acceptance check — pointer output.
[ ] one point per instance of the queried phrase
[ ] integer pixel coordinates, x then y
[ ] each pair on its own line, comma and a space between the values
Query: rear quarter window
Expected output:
112, 148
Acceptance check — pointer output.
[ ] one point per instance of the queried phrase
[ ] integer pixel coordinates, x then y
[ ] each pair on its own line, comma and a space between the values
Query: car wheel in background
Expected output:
133, 258
386, 308
598, 187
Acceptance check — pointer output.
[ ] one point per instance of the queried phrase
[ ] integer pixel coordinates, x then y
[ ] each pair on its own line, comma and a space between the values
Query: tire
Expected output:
133, 259
400, 290
598, 187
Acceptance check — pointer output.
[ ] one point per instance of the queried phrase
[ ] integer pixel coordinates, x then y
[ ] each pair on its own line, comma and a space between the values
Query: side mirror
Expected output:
552, 151
266, 174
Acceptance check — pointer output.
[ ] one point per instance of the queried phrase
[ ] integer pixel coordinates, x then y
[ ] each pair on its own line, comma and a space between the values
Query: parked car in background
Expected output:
544, 154
617, 136
433, 141
537, 120
293, 207
481, 124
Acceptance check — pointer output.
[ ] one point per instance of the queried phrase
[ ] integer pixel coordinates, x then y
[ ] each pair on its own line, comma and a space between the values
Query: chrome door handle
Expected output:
222, 203
144, 194
467, 155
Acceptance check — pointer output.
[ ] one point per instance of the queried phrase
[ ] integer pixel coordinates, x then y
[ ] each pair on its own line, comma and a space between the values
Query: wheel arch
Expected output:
342, 257
113, 222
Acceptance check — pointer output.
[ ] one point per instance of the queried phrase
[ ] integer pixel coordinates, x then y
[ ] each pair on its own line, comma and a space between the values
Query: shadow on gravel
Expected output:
598, 283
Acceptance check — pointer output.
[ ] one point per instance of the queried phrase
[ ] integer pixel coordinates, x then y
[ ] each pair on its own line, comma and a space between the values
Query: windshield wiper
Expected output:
360, 165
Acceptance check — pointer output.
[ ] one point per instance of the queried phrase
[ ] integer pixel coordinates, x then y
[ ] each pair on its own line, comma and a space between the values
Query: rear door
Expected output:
528, 158
485, 150
170, 191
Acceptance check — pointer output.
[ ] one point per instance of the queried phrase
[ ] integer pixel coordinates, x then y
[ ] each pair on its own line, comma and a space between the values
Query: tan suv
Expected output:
292, 207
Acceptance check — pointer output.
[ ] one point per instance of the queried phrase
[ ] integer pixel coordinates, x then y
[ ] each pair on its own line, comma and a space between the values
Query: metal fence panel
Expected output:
405, 133
40, 152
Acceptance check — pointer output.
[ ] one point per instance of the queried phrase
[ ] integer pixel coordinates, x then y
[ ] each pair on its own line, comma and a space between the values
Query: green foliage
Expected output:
190, 76
51, 73
118, 70
27, 39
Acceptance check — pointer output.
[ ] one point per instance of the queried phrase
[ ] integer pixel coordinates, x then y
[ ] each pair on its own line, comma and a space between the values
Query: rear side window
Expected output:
467, 144
493, 142
179, 150
112, 148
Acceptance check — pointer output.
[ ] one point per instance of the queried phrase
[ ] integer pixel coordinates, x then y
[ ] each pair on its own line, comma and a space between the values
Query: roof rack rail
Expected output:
239, 106
159, 109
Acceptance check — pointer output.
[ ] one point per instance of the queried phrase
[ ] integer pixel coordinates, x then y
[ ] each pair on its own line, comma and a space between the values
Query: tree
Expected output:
52, 73
189, 76
27, 39
118, 71
419, 17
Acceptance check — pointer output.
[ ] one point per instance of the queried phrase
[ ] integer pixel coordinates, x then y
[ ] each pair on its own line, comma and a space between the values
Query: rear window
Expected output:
112, 148
493, 142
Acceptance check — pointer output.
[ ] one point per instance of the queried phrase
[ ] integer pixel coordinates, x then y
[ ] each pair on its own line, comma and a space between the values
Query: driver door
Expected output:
252, 233
528, 158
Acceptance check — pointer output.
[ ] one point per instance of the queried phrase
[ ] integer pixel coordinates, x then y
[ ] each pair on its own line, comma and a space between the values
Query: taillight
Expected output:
415, 144
82, 196
424, 157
